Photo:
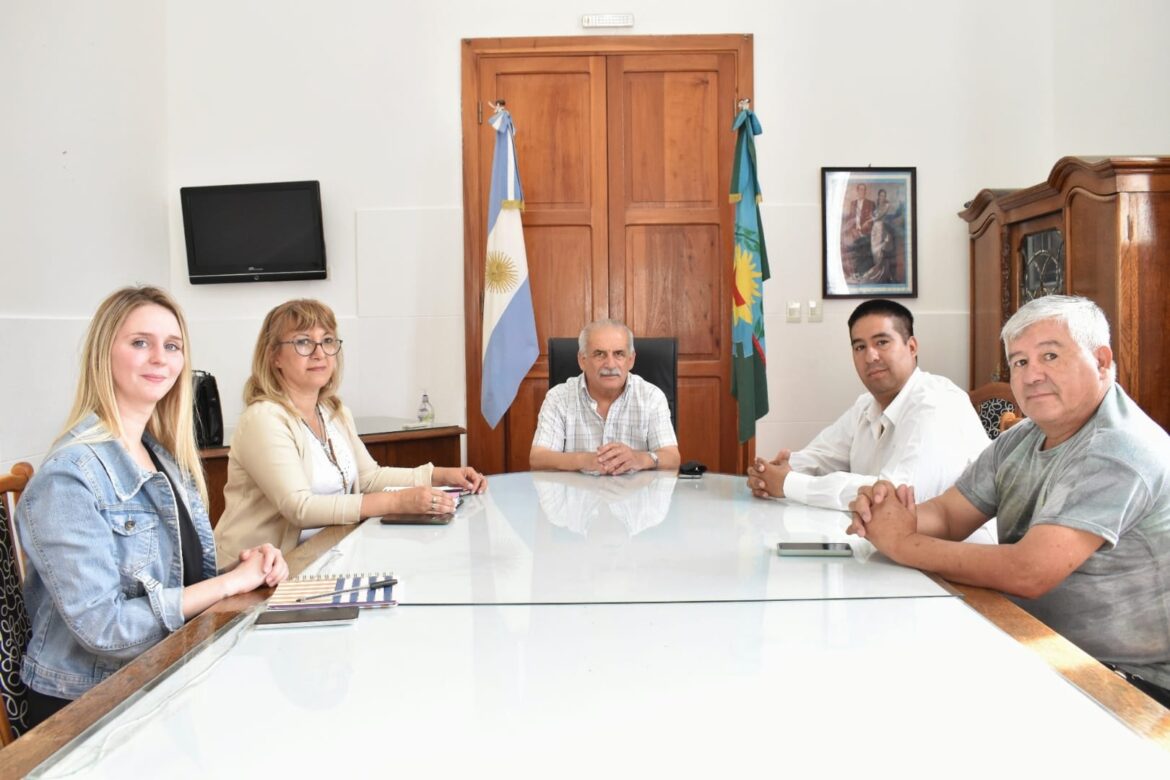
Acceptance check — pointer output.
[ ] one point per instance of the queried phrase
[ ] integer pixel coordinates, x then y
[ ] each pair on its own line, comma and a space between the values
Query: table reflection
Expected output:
580, 503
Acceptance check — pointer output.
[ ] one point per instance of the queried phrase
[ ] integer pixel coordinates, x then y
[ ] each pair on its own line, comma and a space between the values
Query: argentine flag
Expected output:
509, 325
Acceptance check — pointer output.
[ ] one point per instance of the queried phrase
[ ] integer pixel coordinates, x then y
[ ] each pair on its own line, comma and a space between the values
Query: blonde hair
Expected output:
266, 382
172, 423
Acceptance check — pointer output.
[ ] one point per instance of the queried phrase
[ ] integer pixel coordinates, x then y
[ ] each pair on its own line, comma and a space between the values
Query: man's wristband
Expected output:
654, 457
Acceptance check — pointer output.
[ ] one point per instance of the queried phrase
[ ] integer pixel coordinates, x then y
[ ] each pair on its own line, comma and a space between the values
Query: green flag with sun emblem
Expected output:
749, 381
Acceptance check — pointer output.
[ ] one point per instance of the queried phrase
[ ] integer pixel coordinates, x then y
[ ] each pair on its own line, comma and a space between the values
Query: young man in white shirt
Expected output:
911, 427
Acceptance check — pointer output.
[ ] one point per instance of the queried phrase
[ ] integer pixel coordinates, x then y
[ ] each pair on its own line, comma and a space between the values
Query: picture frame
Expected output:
869, 232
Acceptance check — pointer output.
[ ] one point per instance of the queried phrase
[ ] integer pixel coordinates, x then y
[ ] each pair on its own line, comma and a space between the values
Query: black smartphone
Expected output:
841, 549
417, 519
315, 616
455, 490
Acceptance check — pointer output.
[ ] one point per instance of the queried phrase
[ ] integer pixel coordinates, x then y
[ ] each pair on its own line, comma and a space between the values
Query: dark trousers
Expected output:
41, 706
1155, 692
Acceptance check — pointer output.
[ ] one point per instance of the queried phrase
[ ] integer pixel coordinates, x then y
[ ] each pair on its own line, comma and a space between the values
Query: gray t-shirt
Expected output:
1111, 479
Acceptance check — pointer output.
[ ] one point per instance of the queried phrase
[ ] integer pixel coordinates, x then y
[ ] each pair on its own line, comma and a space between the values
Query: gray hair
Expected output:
583, 339
1084, 319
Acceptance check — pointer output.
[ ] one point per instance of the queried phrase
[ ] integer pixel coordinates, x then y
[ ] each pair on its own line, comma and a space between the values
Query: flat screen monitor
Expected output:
254, 232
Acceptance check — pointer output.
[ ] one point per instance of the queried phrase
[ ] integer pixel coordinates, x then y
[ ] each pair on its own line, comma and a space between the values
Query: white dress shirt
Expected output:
924, 438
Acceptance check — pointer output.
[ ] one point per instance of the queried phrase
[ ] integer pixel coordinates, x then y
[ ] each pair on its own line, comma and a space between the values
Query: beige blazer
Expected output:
268, 496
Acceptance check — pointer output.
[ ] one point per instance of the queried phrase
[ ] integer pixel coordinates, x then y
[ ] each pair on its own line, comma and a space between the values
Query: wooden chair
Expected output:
996, 406
13, 617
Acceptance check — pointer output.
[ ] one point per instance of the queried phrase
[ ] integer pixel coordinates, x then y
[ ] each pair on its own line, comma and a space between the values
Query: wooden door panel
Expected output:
697, 397
669, 132
524, 411
559, 111
1144, 297
560, 270
558, 107
551, 105
671, 227
669, 289
987, 289
1090, 233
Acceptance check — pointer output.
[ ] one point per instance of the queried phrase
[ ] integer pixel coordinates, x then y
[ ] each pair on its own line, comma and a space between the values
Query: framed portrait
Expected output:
870, 232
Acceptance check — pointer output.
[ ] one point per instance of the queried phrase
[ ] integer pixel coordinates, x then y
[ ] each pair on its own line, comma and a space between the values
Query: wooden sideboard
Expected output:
390, 443
1098, 227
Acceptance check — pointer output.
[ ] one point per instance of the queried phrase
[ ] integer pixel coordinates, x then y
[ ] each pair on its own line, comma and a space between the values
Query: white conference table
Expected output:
844, 680
551, 538
914, 687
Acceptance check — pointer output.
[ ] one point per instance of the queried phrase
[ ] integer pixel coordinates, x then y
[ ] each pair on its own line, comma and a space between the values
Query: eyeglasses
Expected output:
306, 346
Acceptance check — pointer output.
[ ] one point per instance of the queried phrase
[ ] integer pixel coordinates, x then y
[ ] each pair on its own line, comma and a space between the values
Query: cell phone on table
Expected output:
315, 616
455, 490
832, 549
418, 519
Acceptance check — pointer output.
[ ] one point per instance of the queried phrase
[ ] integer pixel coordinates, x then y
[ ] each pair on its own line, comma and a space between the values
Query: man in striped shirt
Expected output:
606, 420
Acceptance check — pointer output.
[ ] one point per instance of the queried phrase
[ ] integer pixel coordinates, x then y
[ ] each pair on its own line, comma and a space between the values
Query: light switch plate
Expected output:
793, 311
815, 311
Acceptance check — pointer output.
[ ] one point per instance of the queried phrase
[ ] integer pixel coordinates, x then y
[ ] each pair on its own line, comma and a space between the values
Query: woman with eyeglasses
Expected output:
296, 462
120, 551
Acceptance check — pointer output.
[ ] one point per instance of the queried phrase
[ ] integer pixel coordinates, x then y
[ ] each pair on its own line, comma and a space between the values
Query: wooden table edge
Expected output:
30, 750
1128, 704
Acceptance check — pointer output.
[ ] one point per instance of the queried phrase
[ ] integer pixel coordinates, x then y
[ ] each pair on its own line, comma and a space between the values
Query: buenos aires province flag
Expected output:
749, 380
509, 325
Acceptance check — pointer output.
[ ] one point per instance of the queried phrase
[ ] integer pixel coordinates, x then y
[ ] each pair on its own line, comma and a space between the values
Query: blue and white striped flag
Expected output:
509, 325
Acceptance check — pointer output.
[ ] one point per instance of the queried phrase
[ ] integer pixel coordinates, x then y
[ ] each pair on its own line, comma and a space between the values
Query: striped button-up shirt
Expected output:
639, 418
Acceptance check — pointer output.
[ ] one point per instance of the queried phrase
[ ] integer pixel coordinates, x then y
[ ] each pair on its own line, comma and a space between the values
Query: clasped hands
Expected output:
766, 478
260, 566
884, 514
616, 458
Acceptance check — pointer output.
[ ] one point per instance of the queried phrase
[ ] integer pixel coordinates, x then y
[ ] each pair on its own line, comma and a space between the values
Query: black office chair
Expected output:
656, 361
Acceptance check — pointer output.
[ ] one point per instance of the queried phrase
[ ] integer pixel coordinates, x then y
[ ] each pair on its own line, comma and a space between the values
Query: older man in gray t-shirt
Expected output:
1111, 480
1081, 491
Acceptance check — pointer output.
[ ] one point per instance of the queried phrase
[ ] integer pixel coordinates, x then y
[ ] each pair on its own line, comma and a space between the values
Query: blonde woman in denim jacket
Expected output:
114, 524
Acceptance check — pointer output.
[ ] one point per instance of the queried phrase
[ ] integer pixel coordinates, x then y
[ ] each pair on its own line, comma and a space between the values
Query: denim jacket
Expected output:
105, 577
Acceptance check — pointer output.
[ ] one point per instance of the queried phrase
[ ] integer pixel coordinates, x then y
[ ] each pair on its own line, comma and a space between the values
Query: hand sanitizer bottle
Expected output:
426, 412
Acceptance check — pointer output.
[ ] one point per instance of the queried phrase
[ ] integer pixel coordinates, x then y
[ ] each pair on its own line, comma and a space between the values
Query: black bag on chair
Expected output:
208, 416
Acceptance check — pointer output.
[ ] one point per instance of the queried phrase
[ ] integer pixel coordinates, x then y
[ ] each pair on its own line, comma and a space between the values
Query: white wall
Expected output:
364, 96
83, 201
1110, 90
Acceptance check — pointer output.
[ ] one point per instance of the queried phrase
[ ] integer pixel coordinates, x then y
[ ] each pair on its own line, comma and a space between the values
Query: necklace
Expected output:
327, 446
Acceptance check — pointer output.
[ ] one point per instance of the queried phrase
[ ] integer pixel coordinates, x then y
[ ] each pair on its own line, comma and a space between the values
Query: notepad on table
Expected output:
335, 590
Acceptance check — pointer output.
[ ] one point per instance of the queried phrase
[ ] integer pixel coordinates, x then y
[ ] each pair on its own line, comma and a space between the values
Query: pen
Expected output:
371, 586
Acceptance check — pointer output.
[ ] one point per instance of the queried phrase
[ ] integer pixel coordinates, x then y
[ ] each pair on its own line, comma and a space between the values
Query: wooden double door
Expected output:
625, 152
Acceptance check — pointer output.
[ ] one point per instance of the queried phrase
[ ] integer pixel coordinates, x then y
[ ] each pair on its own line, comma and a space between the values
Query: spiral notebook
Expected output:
335, 590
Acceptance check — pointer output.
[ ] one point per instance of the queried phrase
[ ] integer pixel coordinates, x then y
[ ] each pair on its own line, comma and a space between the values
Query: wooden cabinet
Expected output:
1098, 227
388, 442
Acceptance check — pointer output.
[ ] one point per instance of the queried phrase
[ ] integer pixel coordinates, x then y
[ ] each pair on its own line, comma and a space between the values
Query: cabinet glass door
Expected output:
1041, 265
